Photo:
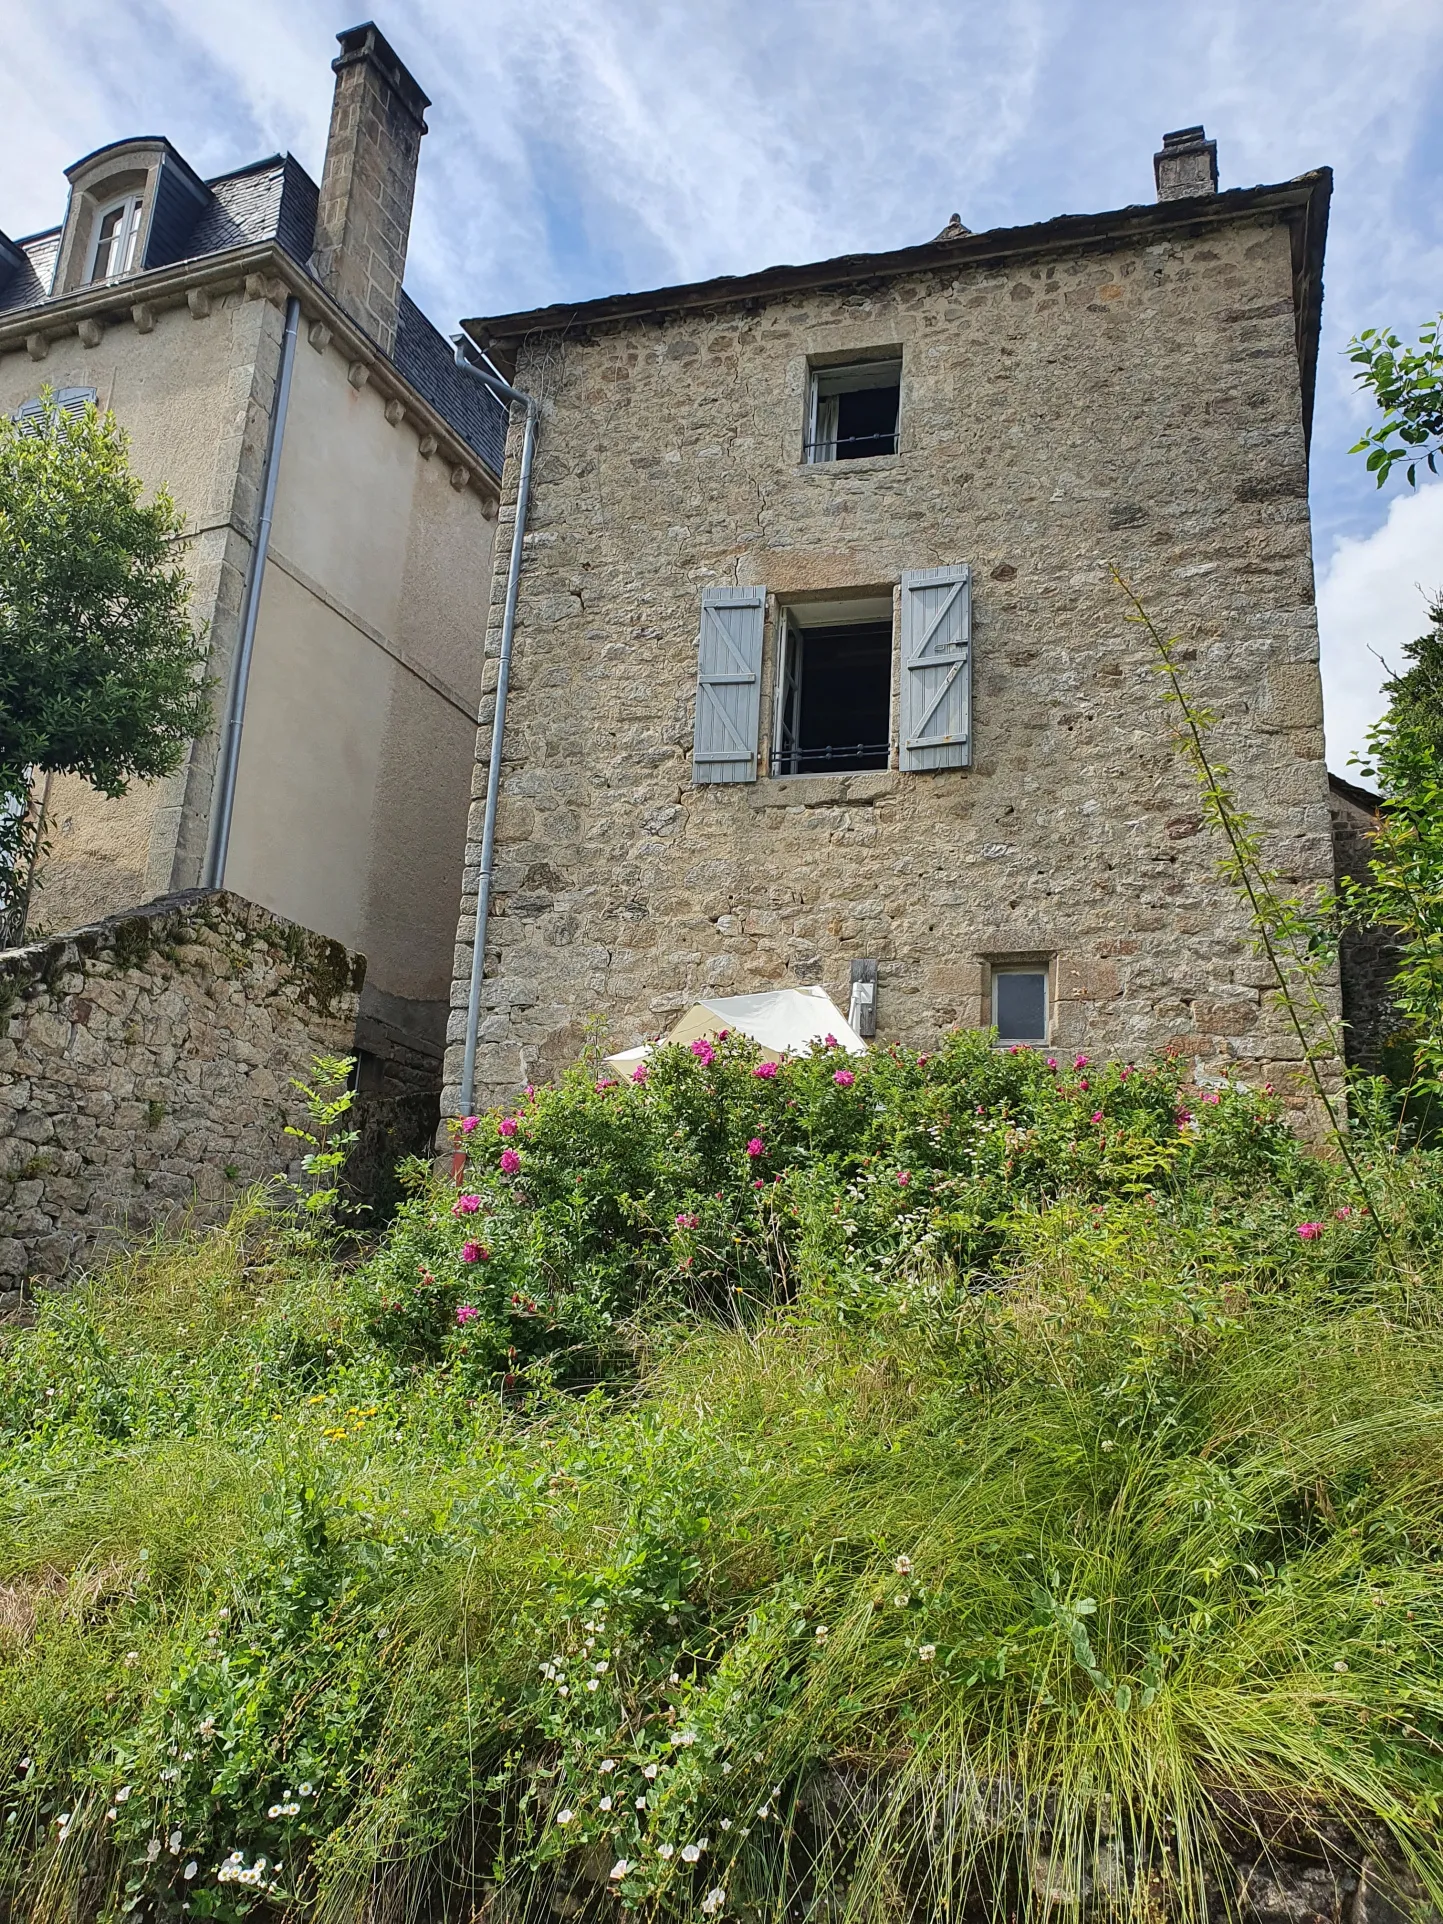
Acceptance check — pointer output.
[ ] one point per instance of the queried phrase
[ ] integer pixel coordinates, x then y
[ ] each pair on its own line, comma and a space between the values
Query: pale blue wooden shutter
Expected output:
67, 400
728, 685
937, 667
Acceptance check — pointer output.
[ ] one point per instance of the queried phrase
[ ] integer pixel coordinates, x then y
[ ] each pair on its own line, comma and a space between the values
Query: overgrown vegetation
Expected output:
928, 1486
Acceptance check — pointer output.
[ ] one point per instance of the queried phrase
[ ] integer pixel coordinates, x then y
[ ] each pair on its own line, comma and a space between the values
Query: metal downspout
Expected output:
224, 806
513, 397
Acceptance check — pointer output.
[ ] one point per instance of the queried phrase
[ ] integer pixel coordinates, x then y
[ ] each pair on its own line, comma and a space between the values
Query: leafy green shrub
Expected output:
717, 1182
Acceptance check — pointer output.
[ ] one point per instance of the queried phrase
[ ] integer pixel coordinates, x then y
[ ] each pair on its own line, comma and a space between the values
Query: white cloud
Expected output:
1373, 598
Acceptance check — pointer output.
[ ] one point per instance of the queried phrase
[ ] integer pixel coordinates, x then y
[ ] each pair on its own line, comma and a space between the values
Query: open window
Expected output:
117, 229
1021, 996
833, 688
853, 410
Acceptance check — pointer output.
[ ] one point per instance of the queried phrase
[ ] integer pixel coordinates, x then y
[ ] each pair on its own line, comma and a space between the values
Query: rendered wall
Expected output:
193, 394
145, 1069
1138, 405
356, 756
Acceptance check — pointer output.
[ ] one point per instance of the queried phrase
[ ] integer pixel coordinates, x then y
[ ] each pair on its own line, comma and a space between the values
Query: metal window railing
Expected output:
864, 443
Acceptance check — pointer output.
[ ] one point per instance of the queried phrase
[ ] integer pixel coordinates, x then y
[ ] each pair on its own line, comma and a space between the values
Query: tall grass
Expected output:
946, 1573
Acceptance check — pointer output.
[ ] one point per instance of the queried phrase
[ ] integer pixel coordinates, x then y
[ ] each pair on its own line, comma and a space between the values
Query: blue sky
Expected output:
579, 147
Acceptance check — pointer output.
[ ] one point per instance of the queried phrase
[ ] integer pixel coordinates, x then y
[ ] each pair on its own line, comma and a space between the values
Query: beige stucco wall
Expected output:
356, 754
1138, 404
193, 395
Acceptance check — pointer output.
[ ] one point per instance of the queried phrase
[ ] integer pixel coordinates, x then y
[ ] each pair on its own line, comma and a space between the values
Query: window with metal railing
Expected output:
853, 411
833, 696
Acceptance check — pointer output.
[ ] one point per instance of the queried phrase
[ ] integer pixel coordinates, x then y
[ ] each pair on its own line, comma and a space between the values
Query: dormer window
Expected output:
117, 229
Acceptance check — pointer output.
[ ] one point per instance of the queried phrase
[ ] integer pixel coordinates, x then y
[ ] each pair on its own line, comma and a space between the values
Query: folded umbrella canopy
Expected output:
782, 1022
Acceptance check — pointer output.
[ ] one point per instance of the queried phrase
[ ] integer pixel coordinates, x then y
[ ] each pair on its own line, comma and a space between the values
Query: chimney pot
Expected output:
363, 220
1187, 164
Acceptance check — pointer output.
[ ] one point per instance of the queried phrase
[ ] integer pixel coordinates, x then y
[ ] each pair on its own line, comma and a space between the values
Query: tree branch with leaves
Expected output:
101, 667
1407, 383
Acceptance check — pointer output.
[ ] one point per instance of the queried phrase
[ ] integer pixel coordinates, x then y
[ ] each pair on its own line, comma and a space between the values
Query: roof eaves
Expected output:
1304, 200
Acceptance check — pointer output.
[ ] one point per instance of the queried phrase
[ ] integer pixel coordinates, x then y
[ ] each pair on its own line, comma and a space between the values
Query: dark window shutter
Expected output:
728, 685
937, 667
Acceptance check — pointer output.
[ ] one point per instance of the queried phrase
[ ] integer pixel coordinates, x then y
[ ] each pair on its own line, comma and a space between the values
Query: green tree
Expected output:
100, 664
1415, 697
1407, 383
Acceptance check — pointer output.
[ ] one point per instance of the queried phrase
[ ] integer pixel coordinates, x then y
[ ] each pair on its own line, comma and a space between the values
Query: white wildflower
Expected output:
593, 1683
562, 1691
620, 1868
274, 1811
926, 1651
565, 1816
1340, 1665
122, 1793
306, 1791
650, 1771
601, 1669
690, 1853
903, 1566
713, 1901
224, 1613
901, 1600
641, 1803
765, 1811
152, 1850
821, 1633
173, 1843
190, 1870
665, 1850
726, 1823
606, 1803
608, 1763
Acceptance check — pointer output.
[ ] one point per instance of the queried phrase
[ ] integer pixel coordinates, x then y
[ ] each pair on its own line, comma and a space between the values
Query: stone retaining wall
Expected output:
145, 1069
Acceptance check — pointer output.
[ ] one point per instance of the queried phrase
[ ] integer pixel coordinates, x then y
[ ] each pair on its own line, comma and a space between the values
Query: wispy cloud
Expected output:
583, 146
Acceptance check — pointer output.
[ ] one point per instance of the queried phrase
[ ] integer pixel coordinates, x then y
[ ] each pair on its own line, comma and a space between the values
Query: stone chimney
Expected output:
1187, 165
363, 220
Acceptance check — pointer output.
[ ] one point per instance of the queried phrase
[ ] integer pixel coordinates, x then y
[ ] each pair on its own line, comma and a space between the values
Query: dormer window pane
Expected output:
117, 229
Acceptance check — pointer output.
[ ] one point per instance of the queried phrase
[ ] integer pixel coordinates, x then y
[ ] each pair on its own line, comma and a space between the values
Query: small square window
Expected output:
1019, 1004
853, 411
834, 693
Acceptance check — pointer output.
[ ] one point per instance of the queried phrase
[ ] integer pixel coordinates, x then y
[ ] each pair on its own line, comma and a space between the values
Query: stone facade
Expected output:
1132, 389
145, 1068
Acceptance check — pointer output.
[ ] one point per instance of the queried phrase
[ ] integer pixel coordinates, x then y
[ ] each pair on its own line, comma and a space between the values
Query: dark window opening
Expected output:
1019, 1004
834, 698
854, 411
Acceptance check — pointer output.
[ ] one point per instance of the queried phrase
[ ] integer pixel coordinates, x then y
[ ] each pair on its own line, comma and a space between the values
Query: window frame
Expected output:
131, 208
1031, 965
820, 373
788, 635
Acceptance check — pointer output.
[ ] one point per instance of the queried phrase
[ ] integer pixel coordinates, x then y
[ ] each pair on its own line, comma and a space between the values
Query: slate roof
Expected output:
275, 199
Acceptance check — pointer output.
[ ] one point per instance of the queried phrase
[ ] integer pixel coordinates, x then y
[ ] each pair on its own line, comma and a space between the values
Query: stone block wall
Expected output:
145, 1067
1368, 957
1137, 403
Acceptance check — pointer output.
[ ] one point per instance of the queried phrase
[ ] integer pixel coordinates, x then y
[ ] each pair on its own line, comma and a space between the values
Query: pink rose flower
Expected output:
685, 1221
1052, 1062
1184, 1117
465, 1205
507, 1126
1310, 1232
638, 1074
510, 1162
756, 1147
1080, 1063
468, 1126
475, 1253
466, 1313
1097, 1115
1344, 1213
844, 1078
829, 1042
904, 1176
765, 1071
704, 1052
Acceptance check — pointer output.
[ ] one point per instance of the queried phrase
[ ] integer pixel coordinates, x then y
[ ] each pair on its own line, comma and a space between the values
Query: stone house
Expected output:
339, 482
820, 671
